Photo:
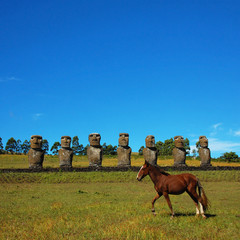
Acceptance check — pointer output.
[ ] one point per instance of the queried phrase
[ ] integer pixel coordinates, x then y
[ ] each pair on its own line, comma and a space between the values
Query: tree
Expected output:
165, 149
140, 151
25, 146
198, 145
104, 148
1, 146
45, 145
160, 147
112, 150
194, 152
186, 146
85, 150
18, 146
75, 145
55, 147
230, 157
11, 145
81, 150
109, 149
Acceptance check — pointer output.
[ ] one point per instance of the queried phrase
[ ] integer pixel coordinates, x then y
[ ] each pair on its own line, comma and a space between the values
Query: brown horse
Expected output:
165, 184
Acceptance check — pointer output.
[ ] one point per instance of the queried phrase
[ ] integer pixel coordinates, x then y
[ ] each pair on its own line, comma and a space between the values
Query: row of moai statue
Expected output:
95, 151
179, 152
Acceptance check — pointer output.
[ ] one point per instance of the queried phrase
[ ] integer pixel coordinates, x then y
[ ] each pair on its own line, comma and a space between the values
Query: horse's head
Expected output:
143, 172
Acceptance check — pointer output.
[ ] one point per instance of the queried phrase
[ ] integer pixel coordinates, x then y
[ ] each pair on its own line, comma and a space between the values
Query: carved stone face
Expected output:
150, 141
123, 139
65, 141
94, 139
179, 141
36, 142
203, 141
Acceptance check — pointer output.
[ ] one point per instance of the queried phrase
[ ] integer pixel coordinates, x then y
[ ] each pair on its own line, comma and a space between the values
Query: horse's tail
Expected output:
205, 201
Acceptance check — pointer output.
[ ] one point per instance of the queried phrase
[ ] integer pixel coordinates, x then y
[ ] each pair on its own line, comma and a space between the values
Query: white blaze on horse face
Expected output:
139, 173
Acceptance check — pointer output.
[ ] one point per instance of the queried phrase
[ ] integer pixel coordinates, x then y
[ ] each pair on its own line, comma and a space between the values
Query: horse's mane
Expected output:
160, 170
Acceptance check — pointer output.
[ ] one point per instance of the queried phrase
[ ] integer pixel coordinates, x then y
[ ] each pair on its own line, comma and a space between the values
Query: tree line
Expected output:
164, 148
14, 146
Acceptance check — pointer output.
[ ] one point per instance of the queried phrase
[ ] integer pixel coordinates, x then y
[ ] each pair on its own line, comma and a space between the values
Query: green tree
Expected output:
230, 157
81, 150
194, 152
45, 145
55, 147
25, 146
11, 145
186, 146
1, 146
168, 147
112, 150
198, 145
77, 148
85, 149
104, 148
109, 149
160, 147
18, 146
140, 151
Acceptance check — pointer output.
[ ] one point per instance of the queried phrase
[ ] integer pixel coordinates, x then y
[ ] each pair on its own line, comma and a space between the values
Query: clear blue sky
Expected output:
161, 68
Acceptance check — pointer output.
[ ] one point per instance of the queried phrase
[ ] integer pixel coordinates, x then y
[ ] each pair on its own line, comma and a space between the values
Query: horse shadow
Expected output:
193, 214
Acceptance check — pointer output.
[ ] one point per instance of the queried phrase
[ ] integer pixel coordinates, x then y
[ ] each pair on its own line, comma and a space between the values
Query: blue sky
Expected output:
161, 68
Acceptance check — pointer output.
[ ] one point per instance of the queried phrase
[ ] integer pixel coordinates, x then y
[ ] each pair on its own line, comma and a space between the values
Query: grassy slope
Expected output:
101, 205
113, 211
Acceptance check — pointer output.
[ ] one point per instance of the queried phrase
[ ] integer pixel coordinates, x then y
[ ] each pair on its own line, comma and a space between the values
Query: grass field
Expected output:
21, 161
110, 205
101, 205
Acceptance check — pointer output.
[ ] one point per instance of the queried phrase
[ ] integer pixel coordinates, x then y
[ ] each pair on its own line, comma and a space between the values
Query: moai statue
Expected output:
36, 154
204, 152
150, 151
124, 151
179, 152
65, 154
94, 151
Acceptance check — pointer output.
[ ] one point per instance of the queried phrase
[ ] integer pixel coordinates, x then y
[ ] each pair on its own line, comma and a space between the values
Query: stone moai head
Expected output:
36, 142
150, 141
94, 139
203, 141
123, 139
65, 141
179, 141
36, 154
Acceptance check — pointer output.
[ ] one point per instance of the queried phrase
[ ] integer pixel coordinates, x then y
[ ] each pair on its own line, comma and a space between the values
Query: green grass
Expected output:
107, 177
101, 205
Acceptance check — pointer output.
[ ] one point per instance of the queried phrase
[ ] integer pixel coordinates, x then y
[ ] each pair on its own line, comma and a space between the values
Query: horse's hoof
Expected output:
197, 215
154, 214
203, 216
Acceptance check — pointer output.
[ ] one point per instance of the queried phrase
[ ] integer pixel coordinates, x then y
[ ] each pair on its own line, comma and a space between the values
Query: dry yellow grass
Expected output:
21, 161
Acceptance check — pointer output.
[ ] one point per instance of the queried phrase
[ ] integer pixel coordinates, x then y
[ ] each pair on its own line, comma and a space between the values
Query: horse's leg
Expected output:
169, 202
195, 202
154, 200
193, 194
